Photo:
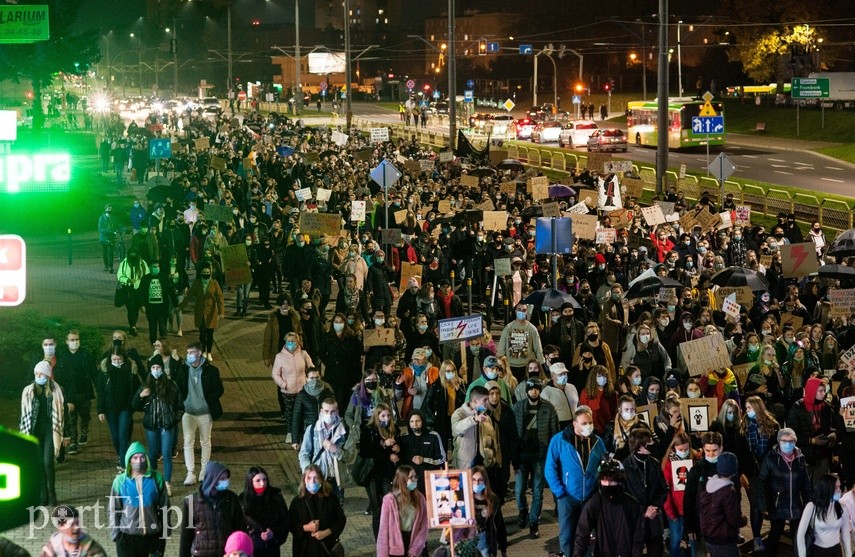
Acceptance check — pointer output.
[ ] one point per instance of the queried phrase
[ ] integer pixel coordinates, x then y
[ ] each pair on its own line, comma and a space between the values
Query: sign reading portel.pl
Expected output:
24, 24
36, 172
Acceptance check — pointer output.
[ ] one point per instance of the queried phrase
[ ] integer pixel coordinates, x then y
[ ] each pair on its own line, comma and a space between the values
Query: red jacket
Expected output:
662, 248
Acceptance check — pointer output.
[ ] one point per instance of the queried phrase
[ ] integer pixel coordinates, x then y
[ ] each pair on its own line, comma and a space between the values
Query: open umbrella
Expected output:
510, 164
551, 298
650, 286
327, 153
560, 190
532, 212
739, 276
482, 171
469, 216
844, 244
837, 271
160, 193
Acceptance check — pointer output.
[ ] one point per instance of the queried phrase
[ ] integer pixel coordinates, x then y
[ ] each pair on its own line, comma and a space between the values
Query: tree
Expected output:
66, 51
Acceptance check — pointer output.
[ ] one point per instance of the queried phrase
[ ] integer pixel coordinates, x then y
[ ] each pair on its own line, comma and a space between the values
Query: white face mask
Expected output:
627, 415
587, 430
73, 344
683, 454
644, 339
687, 325
601, 381
379, 322
694, 394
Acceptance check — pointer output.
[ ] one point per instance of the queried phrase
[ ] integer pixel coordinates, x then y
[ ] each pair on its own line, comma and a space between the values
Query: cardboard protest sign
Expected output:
795, 321
633, 187
647, 413
585, 227
704, 354
469, 181
688, 221
621, 218
357, 211
706, 220
580, 208
412, 166
400, 216
202, 143
383, 336
219, 213
303, 194
324, 194
726, 218
612, 167
502, 266
700, 413
743, 215
425, 165
529, 185
848, 406
409, 271
487, 205
379, 135
552, 209
540, 191
444, 206
218, 163
605, 236
495, 220
320, 224
390, 235
741, 373
653, 215
798, 260
340, 139
744, 295
446, 156
766, 260
596, 161
508, 187
236, 265
590, 197
667, 206
842, 302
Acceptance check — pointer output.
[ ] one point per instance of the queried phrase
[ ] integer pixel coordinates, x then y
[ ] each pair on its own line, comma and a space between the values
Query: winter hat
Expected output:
413, 282
379, 252
726, 465
156, 360
490, 385
599, 259
43, 367
533, 383
239, 541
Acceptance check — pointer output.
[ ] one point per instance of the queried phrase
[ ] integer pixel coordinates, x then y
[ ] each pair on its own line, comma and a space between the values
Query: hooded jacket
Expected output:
138, 506
564, 472
810, 418
616, 525
87, 547
721, 517
215, 514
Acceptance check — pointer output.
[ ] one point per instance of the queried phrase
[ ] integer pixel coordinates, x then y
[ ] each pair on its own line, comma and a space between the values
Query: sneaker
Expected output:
180, 333
759, 546
72, 449
522, 520
190, 479
168, 488
288, 439
533, 532
84, 439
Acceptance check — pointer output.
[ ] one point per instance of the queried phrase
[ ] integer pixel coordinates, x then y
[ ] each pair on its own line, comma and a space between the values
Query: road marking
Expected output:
779, 165
833, 168
782, 172
777, 160
750, 156
804, 168
802, 163
832, 180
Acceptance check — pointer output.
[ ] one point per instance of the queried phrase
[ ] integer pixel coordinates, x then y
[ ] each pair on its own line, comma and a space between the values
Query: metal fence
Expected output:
830, 213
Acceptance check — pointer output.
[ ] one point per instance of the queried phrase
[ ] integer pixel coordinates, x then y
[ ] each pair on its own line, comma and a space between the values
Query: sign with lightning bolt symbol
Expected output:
799, 260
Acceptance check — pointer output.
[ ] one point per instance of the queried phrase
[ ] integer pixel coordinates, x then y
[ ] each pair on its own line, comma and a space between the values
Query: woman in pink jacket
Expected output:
403, 517
289, 372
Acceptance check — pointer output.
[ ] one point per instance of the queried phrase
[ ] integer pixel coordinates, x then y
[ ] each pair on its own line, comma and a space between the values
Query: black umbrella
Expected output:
482, 171
510, 164
551, 298
650, 286
560, 190
739, 276
837, 271
327, 153
844, 244
469, 216
160, 193
532, 212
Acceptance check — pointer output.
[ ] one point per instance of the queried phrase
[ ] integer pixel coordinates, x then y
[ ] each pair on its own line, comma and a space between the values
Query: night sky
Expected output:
104, 14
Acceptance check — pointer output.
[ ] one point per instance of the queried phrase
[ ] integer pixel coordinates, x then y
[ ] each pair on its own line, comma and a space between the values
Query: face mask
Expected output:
422, 328
412, 485
687, 325
479, 488
836, 497
694, 394
751, 414
652, 395
587, 430
338, 327
117, 365
592, 337
49, 350
702, 250
627, 416
682, 454
601, 381
664, 322
521, 315
138, 466
157, 373
41, 380
192, 359
73, 344
615, 297
636, 381
556, 318
787, 447
380, 259
313, 487
672, 308
475, 349
350, 322
371, 385
480, 409
449, 375
206, 276
73, 539
330, 419
731, 417
223, 485
290, 346
384, 423
611, 491
711, 459
311, 384
379, 322
490, 374
644, 339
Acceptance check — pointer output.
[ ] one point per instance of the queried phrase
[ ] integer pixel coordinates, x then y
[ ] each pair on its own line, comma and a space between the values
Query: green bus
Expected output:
641, 123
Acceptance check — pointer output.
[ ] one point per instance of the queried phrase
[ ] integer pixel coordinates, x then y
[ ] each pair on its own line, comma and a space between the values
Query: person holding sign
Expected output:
675, 467
489, 537
403, 517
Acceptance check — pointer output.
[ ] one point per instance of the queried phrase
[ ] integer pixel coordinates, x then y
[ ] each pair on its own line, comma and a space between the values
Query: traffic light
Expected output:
482, 47
607, 87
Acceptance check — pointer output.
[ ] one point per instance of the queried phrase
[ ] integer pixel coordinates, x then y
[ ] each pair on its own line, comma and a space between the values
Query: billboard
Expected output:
24, 24
326, 62
36, 172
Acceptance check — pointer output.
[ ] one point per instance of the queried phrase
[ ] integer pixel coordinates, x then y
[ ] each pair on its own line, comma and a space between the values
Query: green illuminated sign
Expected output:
10, 481
22, 477
39, 172
24, 24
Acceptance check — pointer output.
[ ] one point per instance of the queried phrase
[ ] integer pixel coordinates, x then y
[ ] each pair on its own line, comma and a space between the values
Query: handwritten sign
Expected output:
216, 212
379, 135
339, 138
495, 220
425, 165
848, 358
410, 271
842, 302
848, 406
202, 143
552, 209
580, 208
605, 236
611, 167
621, 218
585, 227
502, 266
633, 187
446, 156
382, 336
320, 224
743, 215
444, 206
236, 265
508, 187
688, 221
540, 191
461, 328
218, 163
324, 194
706, 220
704, 354
798, 260
400, 216
390, 235
667, 206
795, 321
741, 373
487, 205
744, 295
469, 181
412, 166
653, 215
597, 161
497, 156
531, 182
303, 194
357, 211
730, 307
726, 218
590, 198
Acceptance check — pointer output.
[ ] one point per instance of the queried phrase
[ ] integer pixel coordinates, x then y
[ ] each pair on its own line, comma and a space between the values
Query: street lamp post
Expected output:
174, 57
230, 86
548, 53
679, 61
348, 78
298, 61
139, 60
452, 78
662, 100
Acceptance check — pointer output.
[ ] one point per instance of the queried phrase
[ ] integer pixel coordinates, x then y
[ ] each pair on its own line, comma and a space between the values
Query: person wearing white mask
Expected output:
646, 353
42, 416
561, 394
571, 465
323, 445
75, 371
702, 470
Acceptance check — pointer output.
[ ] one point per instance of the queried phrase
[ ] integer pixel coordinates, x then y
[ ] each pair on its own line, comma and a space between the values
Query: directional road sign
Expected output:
468, 96
525, 49
492, 47
811, 87
722, 167
707, 125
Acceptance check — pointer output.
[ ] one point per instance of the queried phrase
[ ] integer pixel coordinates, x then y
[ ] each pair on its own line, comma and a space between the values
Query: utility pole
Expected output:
174, 57
452, 78
298, 94
679, 61
230, 86
662, 100
348, 78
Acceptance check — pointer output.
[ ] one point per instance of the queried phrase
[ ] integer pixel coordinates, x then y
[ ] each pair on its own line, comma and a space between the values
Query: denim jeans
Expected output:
242, 296
569, 510
535, 471
120, 424
160, 443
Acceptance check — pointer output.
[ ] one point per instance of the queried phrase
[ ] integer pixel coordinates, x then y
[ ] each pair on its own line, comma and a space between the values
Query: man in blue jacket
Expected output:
571, 472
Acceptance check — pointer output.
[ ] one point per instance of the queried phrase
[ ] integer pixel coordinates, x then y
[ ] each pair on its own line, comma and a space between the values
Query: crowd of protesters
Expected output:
588, 396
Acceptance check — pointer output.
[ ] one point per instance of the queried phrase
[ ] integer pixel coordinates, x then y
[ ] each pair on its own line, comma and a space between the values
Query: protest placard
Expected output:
730, 307
219, 213
379, 135
680, 469
766, 260
340, 139
847, 404
469, 181
461, 328
236, 265
449, 499
704, 354
741, 373
508, 187
390, 235
531, 182
744, 295
303, 194
585, 226
667, 206
653, 215
218, 163
444, 206
633, 187
540, 191
611, 167
552, 209
409, 271
363, 154
202, 143
412, 166
487, 205
381, 336
580, 208
596, 161
700, 413
605, 236
647, 413
590, 197
798, 260
495, 220
502, 266
726, 218
621, 218
848, 358
743, 215
320, 224
842, 302
706, 220
795, 321
323, 194
400, 216
687, 221
357, 211
446, 156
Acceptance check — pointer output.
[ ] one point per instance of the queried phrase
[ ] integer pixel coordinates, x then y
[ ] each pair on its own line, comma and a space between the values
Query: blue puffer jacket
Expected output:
564, 471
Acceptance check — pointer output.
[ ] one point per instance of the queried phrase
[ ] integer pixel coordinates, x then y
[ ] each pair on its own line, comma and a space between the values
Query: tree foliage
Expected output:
760, 53
67, 51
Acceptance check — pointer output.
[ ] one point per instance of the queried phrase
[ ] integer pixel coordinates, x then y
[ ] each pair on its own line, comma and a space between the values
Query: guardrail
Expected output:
769, 201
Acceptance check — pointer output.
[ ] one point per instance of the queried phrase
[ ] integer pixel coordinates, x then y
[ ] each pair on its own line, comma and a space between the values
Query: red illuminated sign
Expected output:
13, 270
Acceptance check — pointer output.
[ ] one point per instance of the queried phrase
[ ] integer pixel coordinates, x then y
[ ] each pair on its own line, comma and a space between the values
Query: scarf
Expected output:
621, 431
351, 298
418, 369
756, 442
723, 386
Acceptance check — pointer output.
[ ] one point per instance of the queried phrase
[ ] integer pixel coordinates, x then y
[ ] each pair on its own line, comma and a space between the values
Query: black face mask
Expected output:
592, 337
118, 343
611, 491
371, 385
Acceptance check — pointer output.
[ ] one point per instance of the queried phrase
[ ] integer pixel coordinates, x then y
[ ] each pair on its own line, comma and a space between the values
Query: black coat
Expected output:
435, 408
801, 421
784, 490
306, 411
619, 526
645, 482
212, 386
76, 374
371, 446
377, 286
116, 389
330, 515
265, 511
342, 358
214, 519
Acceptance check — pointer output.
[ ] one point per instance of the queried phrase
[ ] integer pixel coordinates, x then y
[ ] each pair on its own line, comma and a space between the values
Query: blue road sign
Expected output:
525, 49
436, 94
707, 125
577, 99
468, 96
423, 103
470, 84
493, 47
159, 148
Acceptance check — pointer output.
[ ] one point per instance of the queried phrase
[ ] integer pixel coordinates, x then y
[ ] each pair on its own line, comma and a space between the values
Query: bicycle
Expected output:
119, 244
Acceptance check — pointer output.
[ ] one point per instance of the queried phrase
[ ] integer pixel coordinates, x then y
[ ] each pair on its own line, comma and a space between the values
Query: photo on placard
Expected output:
699, 418
680, 474
449, 498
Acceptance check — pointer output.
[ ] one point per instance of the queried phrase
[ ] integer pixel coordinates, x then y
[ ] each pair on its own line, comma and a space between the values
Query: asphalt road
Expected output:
763, 159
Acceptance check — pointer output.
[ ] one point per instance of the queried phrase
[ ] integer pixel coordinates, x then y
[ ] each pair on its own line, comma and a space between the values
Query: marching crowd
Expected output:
585, 391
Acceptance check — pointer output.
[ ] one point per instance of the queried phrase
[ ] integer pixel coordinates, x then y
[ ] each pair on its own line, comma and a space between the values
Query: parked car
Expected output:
523, 127
609, 139
546, 132
576, 133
